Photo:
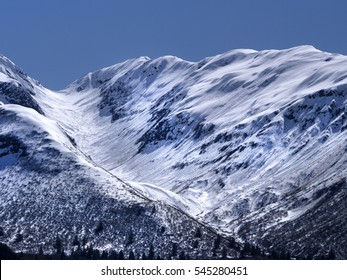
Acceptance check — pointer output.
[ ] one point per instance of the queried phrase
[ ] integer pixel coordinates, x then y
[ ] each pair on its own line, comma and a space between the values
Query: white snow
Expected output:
5, 78
156, 193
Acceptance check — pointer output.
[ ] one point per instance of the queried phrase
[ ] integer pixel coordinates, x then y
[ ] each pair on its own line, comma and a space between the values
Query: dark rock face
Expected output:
114, 98
17, 94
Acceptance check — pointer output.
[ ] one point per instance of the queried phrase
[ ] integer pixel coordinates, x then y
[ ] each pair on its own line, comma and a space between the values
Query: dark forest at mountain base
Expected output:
249, 252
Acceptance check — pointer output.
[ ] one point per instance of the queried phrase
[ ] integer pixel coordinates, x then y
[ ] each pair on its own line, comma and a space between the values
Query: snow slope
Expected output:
50, 189
251, 143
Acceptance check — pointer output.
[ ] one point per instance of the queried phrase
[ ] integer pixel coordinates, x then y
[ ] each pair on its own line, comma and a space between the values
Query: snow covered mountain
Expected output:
249, 143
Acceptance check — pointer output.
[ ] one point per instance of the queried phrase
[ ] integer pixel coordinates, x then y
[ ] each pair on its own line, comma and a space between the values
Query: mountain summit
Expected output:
165, 153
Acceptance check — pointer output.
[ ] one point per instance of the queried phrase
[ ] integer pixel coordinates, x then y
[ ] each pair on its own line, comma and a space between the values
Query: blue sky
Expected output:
55, 42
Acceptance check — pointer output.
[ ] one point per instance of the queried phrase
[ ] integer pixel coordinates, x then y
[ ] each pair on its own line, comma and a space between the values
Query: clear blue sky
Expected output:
55, 42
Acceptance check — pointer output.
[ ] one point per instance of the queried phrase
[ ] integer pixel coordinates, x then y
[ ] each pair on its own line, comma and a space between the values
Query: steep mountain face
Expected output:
50, 190
250, 143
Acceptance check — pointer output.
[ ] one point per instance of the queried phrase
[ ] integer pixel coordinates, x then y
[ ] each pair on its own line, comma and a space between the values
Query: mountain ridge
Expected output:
247, 142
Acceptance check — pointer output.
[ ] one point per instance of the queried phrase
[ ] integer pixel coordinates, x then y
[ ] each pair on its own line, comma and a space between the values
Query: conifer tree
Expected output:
182, 256
198, 233
224, 253
113, 255
58, 245
40, 252
121, 255
131, 255
174, 250
130, 238
331, 255
99, 228
151, 253
75, 241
